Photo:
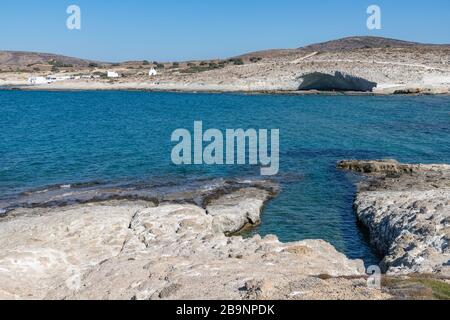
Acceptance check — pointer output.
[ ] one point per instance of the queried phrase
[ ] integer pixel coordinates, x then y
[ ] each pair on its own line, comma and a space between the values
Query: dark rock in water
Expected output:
337, 82
376, 166
198, 192
408, 91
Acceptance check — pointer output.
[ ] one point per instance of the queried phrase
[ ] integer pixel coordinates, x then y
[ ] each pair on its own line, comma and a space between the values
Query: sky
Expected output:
169, 30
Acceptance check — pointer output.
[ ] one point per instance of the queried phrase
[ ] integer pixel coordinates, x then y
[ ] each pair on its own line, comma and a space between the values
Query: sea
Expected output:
67, 145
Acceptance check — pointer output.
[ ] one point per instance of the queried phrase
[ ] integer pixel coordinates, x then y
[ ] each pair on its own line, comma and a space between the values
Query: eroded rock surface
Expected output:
140, 250
406, 208
237, 210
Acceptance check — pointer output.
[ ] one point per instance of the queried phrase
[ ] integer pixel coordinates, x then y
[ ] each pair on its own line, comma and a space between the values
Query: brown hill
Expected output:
344, 44
32, 60
22, 59
366, 42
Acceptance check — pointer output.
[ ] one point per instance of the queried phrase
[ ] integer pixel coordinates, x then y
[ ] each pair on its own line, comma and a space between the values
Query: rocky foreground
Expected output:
407, 211
186, 245
171, 250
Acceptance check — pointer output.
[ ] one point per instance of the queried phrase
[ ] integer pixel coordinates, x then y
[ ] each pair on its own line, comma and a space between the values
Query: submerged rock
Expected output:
406, 208
141, 250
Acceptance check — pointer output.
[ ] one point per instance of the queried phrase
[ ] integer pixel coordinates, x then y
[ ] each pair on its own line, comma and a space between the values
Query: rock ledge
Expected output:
124, 249
406, 208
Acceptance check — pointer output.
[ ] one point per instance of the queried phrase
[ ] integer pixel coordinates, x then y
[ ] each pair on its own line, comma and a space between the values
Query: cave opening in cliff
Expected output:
335, 82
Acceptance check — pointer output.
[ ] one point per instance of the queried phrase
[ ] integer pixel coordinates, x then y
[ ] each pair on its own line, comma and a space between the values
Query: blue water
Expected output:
51, 138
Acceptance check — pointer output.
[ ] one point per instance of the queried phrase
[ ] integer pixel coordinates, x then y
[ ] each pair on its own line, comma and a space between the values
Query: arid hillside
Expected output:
370, 64
354, 43
22, 59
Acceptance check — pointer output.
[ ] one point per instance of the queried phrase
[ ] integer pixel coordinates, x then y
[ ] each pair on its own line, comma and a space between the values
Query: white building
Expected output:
53, 78
38, 80
152, 72
64, 78
112, 74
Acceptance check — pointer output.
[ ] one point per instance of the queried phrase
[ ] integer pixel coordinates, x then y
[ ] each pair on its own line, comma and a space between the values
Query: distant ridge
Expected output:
23, 59
365, 42
346, 44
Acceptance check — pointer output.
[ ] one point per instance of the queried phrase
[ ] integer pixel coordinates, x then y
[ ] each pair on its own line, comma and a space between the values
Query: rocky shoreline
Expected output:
186, 245
121, 249
406, 208
182, 88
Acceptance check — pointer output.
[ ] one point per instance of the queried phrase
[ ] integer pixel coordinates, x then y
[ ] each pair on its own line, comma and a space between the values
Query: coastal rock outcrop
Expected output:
238, 210
121, 249
406, 208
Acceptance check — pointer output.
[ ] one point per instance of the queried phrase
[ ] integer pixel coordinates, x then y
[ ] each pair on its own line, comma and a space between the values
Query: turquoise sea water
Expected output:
61, 138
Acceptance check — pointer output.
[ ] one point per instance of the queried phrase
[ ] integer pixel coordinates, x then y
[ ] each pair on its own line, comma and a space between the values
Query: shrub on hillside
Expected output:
255, 59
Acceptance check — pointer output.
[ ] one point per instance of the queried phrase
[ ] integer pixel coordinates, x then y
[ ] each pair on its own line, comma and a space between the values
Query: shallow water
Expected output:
122, 139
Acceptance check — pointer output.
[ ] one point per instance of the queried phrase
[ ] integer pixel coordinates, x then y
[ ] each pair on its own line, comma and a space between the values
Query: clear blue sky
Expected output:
169, 30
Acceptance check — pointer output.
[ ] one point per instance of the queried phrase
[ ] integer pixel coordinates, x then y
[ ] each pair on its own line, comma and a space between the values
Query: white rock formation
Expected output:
136, 250
407, 211
237, 210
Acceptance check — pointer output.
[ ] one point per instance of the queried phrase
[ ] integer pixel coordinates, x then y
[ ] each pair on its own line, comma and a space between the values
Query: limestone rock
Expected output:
235, 211
407, 211
136, 250
375, 166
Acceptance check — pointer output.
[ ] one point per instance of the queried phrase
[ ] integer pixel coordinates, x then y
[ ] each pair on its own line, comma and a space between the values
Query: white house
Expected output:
152, 72
38, 80
112, 74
